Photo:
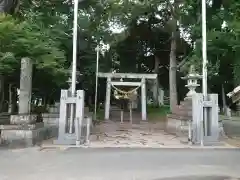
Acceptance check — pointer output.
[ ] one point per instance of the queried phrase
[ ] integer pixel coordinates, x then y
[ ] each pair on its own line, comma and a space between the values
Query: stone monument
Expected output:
24, 115
23, 128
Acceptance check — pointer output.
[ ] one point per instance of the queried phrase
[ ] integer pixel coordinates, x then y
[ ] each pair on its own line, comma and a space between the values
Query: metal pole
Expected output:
204, 49
204, 65
74, 62
96, 83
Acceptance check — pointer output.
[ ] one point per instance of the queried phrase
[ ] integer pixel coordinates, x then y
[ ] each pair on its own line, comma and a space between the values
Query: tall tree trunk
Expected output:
173, 71
224, 100
156, 83
14, 100
10, 103
9, 6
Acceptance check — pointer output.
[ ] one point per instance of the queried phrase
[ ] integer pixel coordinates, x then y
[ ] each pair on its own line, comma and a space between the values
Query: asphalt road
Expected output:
120, 164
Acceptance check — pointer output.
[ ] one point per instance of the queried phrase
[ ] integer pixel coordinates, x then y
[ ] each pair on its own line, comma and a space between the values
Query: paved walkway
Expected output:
142, 135
115, 134
135, 138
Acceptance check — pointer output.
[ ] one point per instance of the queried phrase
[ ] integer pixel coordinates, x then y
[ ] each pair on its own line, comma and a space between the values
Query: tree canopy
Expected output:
141, 35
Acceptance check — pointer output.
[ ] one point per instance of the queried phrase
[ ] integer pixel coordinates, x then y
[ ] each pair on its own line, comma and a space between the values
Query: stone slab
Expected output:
4, 118
51, 115
176, 126
23, 119
26, 138
50, 119
70, 139
21, 126
65, 141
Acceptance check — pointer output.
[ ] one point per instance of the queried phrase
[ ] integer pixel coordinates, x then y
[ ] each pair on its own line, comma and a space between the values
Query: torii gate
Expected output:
142, 83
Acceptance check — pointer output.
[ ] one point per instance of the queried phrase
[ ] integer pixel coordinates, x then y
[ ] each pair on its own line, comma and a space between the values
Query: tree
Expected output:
26, 39
9, 6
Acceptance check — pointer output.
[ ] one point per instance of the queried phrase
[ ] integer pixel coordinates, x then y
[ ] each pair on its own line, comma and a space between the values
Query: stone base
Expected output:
70, 139
50, 119
4, 118
23, 119
177, 125
13, 136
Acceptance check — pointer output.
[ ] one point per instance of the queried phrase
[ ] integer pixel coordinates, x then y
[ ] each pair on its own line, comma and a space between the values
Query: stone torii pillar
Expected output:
108, 98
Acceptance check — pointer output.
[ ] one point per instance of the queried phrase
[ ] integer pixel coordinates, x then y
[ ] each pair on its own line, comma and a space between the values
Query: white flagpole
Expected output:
204, 49
96, 83
74, 61
204, 65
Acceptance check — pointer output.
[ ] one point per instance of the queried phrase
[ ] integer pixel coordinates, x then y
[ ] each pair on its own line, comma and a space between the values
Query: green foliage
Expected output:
24, 39
157, 113
42, 30
7, 62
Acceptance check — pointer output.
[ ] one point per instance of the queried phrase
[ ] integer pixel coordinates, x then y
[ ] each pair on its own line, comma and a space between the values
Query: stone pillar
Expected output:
108, 97
143, 95
134, 100
24, 116
161, 97
25, 86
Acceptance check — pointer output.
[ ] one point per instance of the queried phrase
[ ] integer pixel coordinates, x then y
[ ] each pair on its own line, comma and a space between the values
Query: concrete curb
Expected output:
140, 147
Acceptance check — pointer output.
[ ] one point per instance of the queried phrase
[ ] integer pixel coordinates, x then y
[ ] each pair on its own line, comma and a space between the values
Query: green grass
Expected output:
100, 114
155, 113
233, 118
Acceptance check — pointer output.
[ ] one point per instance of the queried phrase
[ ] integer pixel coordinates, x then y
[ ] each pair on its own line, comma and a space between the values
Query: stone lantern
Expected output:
192, 81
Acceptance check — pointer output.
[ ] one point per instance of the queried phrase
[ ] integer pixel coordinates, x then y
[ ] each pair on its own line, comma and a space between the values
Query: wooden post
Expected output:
130, 108
108, 97
144, 105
